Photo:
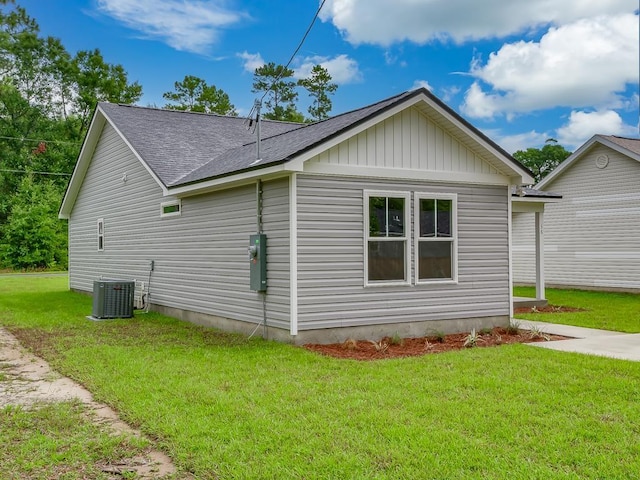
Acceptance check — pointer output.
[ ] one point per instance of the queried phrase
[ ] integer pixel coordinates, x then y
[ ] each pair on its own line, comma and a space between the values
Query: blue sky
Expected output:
521, 71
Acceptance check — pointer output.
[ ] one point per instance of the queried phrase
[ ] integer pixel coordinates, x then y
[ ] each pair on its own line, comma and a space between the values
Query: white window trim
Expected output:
417, 196
171, 203
407, 237
100, 234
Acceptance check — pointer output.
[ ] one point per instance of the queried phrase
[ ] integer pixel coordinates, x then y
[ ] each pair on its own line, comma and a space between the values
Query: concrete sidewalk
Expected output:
624, 346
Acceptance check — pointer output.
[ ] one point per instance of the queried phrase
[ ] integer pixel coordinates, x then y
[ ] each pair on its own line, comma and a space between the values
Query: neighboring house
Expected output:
592, 236
390, 218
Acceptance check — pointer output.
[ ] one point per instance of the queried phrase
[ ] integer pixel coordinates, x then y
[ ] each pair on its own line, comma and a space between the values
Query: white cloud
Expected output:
421, 84
520, 141
192, 26
342, 68
583, 125
383, 22
251, 61
581, 64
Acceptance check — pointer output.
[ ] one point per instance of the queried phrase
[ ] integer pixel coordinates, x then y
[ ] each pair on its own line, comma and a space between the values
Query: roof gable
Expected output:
184, 151
625, 146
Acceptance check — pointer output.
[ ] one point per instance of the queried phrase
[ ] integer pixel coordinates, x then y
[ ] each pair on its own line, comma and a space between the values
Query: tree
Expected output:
33, 235
194, 95
276, 81
98, 81
319, 87
541, 161
46, 100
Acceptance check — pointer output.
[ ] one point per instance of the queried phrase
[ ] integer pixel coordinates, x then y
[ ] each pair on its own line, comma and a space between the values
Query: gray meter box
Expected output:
258, 262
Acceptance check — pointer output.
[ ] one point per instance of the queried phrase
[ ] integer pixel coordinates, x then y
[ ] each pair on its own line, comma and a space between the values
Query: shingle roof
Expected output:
174, 143
185, 148
631, 144
532, 193
279, 148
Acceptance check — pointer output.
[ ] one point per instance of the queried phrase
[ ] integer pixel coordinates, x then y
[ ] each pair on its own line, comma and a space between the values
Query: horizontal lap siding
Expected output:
331, 258
592, 236
200, 256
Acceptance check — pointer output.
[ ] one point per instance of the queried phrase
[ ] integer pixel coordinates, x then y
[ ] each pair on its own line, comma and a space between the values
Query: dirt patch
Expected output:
412, 347
548, 309
27, 380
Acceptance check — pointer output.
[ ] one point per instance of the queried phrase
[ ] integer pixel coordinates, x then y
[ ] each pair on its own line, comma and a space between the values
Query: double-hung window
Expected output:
436, 237
387, 228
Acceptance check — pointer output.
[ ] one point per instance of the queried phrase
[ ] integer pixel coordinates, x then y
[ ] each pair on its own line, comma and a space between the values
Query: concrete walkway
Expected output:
624, 346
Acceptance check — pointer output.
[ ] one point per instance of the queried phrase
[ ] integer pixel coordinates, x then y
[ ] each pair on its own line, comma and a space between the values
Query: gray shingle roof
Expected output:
532, 192
174, 143
631, 144
280, 148
185, 148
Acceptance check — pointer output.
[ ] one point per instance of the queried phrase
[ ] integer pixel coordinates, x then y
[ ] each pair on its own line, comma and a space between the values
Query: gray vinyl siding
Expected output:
331, 251
524, 248
592, 235
200, 257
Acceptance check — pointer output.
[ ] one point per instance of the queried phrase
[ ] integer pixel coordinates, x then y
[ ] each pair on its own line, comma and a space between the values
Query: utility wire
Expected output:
29, 171
304, 37
23, 139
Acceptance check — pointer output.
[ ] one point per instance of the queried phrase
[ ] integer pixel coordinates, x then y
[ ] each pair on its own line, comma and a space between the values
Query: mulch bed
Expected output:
413, 347
547, 309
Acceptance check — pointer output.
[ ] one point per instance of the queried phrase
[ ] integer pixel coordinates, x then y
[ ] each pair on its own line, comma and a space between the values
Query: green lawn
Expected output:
608, 311
59, 441
226, 407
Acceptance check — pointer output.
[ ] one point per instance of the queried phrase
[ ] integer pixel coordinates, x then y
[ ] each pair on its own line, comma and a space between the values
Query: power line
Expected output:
23, 139
30, 171
304, 37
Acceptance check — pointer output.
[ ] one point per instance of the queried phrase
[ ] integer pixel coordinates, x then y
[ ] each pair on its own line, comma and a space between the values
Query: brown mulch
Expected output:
413, 347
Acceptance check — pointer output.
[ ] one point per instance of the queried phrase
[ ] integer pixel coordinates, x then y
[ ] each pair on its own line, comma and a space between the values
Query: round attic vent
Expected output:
602, 161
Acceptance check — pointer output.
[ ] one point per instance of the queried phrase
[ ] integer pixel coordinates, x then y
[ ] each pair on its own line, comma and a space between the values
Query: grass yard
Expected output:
226, 407
58, 441
607, 311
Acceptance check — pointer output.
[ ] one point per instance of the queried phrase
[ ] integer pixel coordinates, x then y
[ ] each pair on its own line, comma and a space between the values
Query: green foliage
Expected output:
269, 410
47, 98
98, 81
276, 81
541, 161
33, 237
194, 95
319, 87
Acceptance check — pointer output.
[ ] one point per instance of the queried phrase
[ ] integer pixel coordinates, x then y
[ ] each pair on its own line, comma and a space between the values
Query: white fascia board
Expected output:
512, 170
82, 164
575, 156
570, 160
144, 164
396, 173
229, 181
297, 162
84, 160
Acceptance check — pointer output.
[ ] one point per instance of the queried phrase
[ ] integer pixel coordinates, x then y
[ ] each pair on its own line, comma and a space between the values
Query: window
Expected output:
170, 209
100, 231
386, 237
436, 237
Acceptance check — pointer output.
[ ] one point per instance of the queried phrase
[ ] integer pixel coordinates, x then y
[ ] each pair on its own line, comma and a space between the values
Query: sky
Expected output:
521, 71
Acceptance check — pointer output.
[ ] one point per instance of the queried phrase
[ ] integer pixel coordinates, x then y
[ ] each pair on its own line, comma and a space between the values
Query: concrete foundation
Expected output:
336, 335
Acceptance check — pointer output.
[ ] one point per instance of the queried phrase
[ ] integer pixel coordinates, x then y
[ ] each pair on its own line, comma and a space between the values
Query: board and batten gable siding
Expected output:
592, 237
200, 256
407, 140
331, 291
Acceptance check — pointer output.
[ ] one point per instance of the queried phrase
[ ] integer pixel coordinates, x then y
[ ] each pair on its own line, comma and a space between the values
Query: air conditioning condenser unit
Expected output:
113, 299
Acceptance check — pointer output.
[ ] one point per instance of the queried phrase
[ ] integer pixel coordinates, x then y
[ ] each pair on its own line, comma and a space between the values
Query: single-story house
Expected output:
392, 218
591, 237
